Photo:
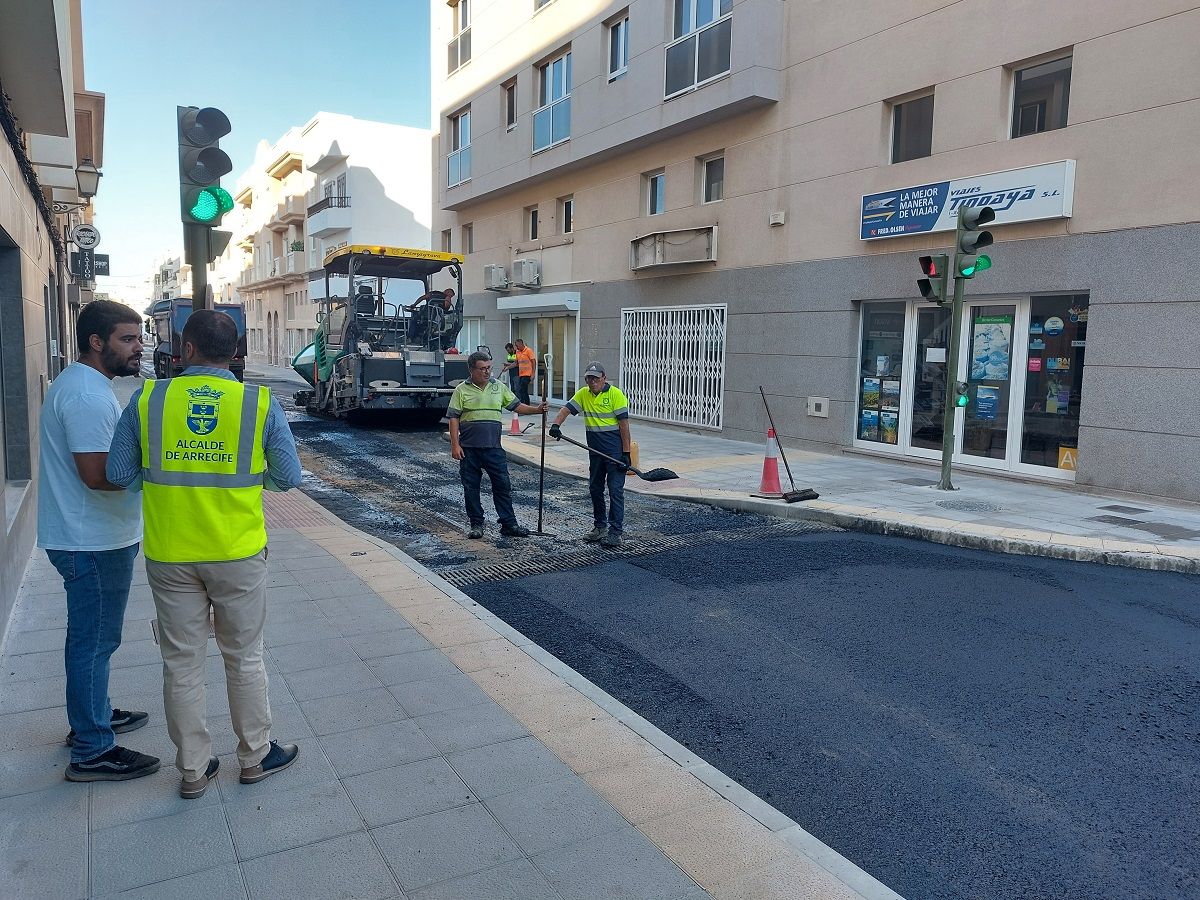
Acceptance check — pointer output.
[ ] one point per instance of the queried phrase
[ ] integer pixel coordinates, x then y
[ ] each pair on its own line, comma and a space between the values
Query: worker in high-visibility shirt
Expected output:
475, 413
526, 369
605, 413
205, 445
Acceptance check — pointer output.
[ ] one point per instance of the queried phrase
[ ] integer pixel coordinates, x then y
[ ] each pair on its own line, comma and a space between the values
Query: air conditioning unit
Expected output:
526, 273
495, 278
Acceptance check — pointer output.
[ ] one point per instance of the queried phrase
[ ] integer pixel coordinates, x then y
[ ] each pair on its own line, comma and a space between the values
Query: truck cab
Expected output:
166, 321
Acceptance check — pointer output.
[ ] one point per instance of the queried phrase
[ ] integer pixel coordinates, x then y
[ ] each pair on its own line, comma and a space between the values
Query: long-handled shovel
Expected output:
542, 466
652, 475
792, 496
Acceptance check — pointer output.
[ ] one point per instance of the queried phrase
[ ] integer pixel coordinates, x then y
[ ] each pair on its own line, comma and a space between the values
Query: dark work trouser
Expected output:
494, 461
523, 388
602, 472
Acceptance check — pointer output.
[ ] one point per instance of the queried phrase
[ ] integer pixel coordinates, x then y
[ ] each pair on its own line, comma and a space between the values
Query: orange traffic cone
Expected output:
769, 487
515, 427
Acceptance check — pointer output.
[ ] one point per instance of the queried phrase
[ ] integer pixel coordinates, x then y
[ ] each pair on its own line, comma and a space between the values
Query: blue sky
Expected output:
268, 64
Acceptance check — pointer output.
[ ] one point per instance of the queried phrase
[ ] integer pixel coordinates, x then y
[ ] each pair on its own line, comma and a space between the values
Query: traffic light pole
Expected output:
948, 417
196, 254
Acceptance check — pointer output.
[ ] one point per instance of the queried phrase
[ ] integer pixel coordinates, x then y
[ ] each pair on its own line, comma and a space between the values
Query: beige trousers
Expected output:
237, 593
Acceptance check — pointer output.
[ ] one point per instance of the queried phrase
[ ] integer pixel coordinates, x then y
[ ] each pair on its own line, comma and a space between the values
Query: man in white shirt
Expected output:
90, 530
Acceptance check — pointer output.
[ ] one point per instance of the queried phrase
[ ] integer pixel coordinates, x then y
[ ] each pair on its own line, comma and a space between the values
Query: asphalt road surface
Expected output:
958, 723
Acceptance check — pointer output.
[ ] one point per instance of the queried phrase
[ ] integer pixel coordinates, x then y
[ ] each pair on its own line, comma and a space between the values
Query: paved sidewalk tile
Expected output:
516, 880
444, 845
343, 712
153, 850
376, 747
503, 768
546, 816
224, 883
293, 818
348, 866
622, 864
408, 791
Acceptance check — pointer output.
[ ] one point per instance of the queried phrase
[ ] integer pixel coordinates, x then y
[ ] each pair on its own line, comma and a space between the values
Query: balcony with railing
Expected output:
328, 216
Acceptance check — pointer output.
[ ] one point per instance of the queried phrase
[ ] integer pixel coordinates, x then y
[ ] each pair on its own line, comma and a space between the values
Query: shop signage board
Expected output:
1017, 195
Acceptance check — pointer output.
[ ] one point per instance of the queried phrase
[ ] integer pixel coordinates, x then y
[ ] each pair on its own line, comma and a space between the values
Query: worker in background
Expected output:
205, 446
475, 414
606, 417
526, 369
510, 366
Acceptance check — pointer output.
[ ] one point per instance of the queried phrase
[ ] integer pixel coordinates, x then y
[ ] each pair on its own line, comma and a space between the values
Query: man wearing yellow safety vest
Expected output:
476, 413
606, 417
204, 446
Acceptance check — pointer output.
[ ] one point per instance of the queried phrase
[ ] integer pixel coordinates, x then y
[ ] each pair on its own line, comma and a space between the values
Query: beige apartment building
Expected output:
51, 148
335, 180
713, 195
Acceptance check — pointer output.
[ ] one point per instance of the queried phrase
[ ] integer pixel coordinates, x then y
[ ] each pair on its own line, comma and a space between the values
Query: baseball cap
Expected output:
594, 369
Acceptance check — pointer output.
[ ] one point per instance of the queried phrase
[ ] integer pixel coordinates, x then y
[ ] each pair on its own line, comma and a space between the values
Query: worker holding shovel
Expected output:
606, 417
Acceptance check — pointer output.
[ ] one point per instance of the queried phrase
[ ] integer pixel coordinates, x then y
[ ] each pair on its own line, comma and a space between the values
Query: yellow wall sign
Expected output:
1066, 457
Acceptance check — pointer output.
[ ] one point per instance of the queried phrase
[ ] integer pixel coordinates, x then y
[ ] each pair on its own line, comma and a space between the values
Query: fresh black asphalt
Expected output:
958, 723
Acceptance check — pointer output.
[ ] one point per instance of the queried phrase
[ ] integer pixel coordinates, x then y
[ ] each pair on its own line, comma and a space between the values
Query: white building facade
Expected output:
334, 181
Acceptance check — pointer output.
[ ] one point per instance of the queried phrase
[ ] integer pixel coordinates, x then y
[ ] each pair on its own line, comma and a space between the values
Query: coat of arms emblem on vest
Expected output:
203, 408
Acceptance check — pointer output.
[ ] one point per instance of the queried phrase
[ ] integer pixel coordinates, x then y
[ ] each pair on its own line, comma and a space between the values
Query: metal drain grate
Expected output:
467, 575
970, 505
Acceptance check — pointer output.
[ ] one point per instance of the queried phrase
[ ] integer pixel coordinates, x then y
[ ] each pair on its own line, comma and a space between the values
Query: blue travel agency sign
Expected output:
1017, 195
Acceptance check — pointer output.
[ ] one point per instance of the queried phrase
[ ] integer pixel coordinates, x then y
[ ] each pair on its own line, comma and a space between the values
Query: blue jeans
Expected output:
97, 583
601, 472
494, 461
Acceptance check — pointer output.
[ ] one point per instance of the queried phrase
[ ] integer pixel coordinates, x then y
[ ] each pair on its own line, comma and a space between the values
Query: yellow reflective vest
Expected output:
202, 468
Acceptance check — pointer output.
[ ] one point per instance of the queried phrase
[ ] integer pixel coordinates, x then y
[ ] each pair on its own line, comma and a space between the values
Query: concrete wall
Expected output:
26, 259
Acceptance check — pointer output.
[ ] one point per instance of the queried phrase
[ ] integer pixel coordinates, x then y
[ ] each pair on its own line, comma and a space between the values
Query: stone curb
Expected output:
953, 534
786, 829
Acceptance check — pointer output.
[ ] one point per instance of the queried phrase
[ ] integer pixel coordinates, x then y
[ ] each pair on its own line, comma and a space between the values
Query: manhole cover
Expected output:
969, 505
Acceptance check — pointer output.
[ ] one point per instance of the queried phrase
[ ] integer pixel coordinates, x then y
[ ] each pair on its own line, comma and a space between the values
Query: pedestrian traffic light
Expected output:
969, 240
962, 396
933, 285
202, 200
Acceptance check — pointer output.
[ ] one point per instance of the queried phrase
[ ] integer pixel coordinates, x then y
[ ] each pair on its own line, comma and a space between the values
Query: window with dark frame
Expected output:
566, 214
656, 183
713, 179
468, 238
618, 47
510, 104
1040, 97
912, 129
531, 223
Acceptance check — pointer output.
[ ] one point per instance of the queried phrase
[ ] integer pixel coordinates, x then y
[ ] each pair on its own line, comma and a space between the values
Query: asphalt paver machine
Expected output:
388, 345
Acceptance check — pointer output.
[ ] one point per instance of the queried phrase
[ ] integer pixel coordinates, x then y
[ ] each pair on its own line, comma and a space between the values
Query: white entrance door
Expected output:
554, 340
991, 342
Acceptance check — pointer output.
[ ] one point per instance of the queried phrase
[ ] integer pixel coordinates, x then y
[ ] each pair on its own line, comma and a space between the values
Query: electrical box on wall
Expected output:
776, 218
819, 407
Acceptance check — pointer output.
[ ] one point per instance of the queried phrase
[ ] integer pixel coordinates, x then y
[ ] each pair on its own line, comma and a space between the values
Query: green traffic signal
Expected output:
210, 204
962, 397
980, 263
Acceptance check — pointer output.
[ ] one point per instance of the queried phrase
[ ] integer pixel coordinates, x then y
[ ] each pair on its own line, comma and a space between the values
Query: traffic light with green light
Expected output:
933, 285
969, 240
962, 396
202, 200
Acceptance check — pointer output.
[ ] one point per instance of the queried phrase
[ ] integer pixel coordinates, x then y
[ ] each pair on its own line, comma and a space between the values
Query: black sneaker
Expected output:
514, 531
476, 532
278, 758
118, 764
123, 720
193, 790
